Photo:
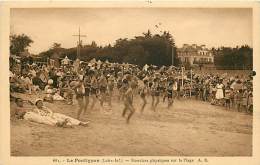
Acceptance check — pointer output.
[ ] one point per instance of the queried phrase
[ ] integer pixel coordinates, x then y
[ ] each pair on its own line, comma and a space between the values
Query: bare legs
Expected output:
144, 104
128, 106
81, 106
102, 98
170, 101
110, 98
155, 102
94, 100
86, 104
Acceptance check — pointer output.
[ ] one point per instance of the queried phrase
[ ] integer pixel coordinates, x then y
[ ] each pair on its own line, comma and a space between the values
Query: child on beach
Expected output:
239, 99
250, 102
244, 99
227, 97
232, 97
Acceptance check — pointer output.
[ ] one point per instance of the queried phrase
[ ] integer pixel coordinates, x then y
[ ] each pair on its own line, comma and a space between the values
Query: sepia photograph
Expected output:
114, 81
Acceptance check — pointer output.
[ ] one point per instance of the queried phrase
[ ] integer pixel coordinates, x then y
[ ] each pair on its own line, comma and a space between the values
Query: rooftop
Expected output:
193, 47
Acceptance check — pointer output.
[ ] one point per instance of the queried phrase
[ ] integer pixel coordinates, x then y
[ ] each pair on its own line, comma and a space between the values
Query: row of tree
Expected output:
144, 49
233, 58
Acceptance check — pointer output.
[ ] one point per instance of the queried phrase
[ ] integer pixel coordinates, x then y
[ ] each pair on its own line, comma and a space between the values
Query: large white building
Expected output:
195, 54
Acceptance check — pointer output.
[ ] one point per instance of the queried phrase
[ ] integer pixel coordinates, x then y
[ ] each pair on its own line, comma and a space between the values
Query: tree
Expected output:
147, 48
18, 43
56, 45
55, 51
234, 58
93, 44
148, 34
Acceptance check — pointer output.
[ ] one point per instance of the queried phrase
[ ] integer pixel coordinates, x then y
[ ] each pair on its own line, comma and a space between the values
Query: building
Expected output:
195, 54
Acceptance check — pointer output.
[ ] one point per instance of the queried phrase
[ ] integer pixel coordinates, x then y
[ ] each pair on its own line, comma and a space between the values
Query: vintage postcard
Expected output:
135, 82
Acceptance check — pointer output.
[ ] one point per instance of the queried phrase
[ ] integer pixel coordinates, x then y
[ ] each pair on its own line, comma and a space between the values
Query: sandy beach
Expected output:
189, 128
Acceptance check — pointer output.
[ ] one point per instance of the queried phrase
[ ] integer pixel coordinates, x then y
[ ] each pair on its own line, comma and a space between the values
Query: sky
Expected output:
212, 27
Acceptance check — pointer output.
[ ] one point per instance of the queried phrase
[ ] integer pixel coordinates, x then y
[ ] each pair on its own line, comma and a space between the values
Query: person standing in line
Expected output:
80, 92
239, 99
213, 91
250, 102
232, 97
245, 99
219, 92
87, 86
227, 97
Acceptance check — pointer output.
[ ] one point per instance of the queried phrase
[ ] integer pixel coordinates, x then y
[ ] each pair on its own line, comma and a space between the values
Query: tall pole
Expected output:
182, 75
172, 55
78, 54
79, 43
190, 81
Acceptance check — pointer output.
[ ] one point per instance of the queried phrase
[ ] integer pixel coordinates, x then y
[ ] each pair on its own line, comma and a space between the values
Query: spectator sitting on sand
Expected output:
101, 77
27, 80
49, 90
17, 84
38, 82
57, 96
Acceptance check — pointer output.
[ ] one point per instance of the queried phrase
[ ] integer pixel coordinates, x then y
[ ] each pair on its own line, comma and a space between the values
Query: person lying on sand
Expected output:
42, 114
20, 110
